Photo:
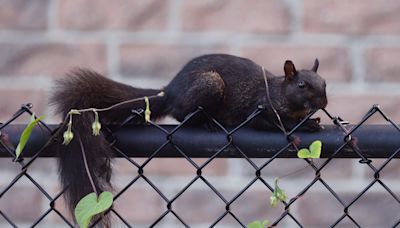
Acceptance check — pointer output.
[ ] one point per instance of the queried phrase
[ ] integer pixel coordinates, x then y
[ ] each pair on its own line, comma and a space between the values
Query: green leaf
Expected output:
314, 150
278, 194
26, 134
90, 206
258, 224
273, 200
255, 224
303, 153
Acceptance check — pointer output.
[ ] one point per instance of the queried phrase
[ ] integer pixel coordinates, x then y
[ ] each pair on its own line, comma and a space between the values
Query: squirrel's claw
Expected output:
312, 125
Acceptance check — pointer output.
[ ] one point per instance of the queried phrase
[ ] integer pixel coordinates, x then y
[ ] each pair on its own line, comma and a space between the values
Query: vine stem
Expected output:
78, 111
87, 166
280, 125
115, 105
294, 172
68, 117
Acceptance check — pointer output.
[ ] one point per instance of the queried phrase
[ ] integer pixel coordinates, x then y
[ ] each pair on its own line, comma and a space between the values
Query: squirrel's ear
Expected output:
290, 70
315, 67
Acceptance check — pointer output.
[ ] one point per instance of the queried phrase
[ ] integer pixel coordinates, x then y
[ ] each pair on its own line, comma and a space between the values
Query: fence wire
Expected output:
259, 177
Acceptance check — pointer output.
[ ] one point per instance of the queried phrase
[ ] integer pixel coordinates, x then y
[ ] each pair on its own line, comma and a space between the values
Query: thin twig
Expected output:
118, 104
68, 117
86, 165
295, 171
280, 126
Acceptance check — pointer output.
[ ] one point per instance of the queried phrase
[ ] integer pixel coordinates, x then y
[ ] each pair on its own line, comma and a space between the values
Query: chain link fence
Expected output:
340, 140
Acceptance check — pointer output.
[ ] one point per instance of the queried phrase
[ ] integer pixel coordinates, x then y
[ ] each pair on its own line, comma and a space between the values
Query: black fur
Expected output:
86, 89
229, 88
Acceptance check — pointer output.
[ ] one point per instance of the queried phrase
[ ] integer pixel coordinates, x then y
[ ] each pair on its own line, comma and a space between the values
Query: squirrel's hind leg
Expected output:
205, 90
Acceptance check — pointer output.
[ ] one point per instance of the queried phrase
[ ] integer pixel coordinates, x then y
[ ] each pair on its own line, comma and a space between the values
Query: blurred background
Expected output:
145, 43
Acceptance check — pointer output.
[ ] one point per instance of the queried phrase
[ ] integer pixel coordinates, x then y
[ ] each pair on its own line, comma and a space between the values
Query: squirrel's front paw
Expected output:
312, 125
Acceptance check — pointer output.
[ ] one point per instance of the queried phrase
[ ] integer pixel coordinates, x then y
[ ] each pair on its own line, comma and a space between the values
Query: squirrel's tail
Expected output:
86, 89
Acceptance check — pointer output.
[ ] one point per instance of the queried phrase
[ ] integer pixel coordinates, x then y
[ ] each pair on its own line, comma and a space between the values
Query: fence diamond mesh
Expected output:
340, 140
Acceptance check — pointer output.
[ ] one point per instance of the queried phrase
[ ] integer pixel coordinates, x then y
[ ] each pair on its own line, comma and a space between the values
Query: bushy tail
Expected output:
86, 89
73, 174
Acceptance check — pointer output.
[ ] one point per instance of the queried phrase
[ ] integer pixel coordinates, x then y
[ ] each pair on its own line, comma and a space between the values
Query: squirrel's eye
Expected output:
301, 84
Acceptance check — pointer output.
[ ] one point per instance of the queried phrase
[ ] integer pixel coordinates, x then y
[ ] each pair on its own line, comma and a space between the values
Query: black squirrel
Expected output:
229, 88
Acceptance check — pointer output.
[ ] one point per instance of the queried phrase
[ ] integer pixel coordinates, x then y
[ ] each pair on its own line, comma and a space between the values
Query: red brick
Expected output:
140, 205
381, 208
7, 165
24, 15
10, 106
237, 16
280, 168
297, 169
61, 207
351, 17
199, 206
14, 203
137, 205
334, 61
354, 107
382, 64
336, 168
50, 58
321, 209
318, 209
390, 172
171, 166
254, 205
121, 14
45, 166
159, 60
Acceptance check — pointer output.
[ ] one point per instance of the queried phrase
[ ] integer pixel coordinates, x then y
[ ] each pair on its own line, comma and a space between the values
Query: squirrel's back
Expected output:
227, 86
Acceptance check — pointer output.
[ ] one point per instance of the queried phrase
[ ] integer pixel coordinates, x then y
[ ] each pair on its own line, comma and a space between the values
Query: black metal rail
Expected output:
374, 141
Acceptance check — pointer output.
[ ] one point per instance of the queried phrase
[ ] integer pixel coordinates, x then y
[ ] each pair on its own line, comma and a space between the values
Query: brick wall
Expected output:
144, 43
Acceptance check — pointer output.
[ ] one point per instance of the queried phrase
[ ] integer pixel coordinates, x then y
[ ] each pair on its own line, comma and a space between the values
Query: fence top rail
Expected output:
373, 141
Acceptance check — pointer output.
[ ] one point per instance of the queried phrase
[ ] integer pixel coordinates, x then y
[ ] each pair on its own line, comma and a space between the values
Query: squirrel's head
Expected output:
304, 89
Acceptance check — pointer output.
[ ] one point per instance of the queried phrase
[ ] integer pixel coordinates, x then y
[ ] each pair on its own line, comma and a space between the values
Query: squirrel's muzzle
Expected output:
319, 102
